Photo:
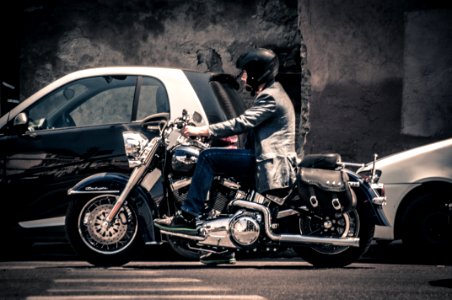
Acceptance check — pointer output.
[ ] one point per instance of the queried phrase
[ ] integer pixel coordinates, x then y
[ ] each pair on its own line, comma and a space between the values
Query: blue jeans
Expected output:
237, 163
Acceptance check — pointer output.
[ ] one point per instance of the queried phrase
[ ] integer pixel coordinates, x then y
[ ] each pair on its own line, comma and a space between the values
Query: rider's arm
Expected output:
262, 109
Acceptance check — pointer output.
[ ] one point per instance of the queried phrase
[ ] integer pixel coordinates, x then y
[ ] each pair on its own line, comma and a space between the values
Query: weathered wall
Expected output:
357, 57
427, 88
352, 52
63, 36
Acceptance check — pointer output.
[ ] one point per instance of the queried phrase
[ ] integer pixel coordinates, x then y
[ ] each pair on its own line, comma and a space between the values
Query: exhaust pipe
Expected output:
182, 235
293, 238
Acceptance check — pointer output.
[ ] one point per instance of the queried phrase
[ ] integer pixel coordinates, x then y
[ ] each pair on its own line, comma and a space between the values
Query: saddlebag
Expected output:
326, 190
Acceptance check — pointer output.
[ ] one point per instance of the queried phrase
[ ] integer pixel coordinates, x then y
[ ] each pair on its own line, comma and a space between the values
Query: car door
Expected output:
74, 131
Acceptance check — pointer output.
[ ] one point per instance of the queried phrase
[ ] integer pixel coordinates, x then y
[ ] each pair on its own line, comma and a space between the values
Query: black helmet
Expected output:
261, 66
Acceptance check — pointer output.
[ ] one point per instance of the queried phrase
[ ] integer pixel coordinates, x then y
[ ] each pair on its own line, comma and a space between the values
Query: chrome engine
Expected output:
241, 230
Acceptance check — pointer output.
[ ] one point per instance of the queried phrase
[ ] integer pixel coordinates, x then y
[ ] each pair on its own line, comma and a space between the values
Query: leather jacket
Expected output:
272, 120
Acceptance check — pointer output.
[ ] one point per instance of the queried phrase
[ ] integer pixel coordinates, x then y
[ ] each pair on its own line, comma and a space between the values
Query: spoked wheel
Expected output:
336, 225
96, 242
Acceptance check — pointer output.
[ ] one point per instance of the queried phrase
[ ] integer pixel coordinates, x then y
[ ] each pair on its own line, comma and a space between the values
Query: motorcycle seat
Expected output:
328, 161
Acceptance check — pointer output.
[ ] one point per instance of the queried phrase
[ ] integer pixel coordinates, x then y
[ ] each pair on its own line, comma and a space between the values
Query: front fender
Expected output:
114, 183
101, 183
366, 200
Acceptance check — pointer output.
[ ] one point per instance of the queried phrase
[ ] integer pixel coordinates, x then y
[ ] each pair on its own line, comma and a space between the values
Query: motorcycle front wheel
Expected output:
101, 245
355, 223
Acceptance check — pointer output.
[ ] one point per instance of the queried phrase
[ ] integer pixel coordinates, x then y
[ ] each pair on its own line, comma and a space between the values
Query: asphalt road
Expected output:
248, 279
381, 274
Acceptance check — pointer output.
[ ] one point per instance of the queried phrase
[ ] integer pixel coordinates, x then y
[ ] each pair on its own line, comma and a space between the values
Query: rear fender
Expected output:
113, 184
365, 198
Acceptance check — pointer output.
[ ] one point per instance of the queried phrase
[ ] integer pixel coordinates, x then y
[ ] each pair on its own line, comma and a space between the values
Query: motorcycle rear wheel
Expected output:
103, 246
356, 223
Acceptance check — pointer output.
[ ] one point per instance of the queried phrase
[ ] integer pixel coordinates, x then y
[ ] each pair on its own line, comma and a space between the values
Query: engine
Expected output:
242, 230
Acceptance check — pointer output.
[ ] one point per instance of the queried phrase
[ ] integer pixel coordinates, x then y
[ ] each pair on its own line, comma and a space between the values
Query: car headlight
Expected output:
134, 143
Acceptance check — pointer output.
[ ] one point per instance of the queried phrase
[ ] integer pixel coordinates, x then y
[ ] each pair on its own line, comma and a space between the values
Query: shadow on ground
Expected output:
392, 253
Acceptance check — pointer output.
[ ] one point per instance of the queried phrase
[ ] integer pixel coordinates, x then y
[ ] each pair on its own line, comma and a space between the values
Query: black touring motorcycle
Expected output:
328, 217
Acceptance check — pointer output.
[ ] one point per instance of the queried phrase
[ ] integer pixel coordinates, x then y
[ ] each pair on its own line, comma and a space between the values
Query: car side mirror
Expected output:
20, 123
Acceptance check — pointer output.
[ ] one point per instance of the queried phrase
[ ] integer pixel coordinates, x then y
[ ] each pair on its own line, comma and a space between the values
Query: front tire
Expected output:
356, 223
114, 245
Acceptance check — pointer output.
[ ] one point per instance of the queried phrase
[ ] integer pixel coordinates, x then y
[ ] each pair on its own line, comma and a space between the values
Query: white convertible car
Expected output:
418, 187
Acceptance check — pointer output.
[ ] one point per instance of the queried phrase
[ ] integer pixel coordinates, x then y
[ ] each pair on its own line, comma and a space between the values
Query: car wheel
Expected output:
427, 224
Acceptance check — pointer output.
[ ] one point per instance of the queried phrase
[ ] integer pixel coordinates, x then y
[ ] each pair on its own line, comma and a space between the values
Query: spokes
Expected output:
104, 237
335, 225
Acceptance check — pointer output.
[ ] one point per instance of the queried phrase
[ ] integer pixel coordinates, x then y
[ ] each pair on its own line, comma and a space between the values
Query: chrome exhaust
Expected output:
182, 235
293, 238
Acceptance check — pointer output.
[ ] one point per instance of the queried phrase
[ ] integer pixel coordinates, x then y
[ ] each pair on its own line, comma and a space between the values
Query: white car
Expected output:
418, 189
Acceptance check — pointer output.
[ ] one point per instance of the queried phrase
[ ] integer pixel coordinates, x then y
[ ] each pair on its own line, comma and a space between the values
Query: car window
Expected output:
228, 98
200, 83
218, 98
89, 101
153, 98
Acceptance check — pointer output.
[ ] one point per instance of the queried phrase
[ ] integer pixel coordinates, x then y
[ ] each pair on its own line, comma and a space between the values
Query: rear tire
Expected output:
329, 256
112, 246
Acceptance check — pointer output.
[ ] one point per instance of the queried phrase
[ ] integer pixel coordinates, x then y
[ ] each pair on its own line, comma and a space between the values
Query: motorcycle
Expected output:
328, 217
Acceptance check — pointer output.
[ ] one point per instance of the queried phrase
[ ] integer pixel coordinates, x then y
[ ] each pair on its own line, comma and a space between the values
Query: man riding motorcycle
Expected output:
272, 159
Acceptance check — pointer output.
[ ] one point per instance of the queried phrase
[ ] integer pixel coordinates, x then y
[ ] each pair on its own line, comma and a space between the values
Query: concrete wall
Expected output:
62, 36
368, 69
427, 89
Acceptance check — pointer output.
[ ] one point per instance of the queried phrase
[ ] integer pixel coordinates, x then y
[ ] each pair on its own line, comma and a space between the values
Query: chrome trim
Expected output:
354, 184
294, 238
42, 223
176, 185
74, 192
217, 233
379, 200
286, 213
186, 236
350, 164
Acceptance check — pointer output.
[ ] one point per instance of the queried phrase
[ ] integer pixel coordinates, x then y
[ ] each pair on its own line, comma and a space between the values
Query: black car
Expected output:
73, 128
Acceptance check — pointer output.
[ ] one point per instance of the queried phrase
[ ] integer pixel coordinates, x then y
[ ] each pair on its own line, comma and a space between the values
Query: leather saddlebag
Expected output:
326, 190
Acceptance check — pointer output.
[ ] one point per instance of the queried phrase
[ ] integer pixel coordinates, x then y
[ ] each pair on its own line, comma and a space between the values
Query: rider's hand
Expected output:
195, 131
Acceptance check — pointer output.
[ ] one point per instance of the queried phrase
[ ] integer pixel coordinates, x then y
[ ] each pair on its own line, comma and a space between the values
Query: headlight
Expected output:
134, 143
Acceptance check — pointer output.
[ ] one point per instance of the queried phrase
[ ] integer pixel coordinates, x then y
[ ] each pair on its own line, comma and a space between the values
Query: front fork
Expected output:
135, 177
131, 183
